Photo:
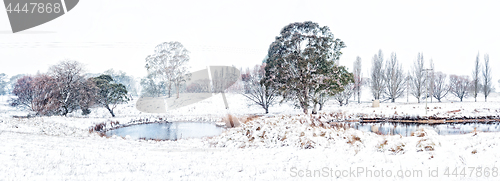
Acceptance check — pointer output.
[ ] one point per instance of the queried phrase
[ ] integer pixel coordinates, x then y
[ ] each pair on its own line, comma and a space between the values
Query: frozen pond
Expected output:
168, 131
405, 129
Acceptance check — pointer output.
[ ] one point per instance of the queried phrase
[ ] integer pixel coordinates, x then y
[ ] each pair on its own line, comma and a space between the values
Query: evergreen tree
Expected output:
301, 64
110, 94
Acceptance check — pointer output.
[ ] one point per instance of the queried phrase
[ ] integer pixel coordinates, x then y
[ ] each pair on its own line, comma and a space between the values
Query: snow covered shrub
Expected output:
295, 131
354, 139
398, 148
427, 141
394, 145
426, 145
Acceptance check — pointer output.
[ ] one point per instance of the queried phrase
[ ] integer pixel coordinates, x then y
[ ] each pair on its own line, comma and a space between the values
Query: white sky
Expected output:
120, 34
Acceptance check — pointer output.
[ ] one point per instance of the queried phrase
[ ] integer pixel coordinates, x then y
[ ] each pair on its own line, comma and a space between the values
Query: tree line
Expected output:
65, 89
388, 81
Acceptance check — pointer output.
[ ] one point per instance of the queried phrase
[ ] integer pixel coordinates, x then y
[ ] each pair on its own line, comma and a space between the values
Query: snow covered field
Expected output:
281, 146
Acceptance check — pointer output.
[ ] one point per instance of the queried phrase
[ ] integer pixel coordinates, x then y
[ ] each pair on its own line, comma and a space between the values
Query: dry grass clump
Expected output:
98, 127
234, 121
354, 139
398, 148
425, 144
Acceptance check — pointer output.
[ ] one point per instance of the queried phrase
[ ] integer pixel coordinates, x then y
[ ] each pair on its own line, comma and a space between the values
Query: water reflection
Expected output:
168, 131
406, 129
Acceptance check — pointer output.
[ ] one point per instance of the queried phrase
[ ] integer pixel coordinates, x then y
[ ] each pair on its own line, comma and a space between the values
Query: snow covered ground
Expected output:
281, 146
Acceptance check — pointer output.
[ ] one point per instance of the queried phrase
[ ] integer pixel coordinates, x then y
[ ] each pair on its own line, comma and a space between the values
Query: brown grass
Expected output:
354, 139
98, 127
399, 148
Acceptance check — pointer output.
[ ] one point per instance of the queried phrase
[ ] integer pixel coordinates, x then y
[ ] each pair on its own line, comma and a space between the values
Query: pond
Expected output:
406, 129
168, 131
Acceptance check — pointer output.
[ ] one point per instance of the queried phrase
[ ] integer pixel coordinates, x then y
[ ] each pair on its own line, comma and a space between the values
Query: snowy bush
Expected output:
295, 131
427, 141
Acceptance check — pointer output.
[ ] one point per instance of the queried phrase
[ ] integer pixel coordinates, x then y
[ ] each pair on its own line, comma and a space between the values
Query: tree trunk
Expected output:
65, 112
359, 97
177, 89
314, 109
304, 109
169, 90
321, 106
110, 111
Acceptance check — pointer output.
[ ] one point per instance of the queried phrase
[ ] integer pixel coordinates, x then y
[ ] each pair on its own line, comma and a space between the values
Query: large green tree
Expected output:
301, 64
110, 94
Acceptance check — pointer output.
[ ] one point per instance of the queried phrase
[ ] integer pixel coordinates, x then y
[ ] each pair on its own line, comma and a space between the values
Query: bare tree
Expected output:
258, 92
169, 63
358, 80
408, 83
37, 93
377, 75
343, 97
431, 81
417, 78
394, 79
459, 86
441, 88
69, 78
487, 87
475, 78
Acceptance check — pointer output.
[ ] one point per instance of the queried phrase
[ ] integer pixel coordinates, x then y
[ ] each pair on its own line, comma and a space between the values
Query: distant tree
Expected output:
343, 97
199, 86
127, 80
459, 86
258, 92
476, 85
23, 89
408, 83
394, 79
441, 88
377, 75
431, 81
3, 84
152, 86
358, 78
418, 77
223, 77
110, 94
169, 62
487, 87
245, 77
301, 64
12, 82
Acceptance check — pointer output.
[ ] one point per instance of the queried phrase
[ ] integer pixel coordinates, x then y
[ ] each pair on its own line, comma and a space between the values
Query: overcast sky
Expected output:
120, 34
